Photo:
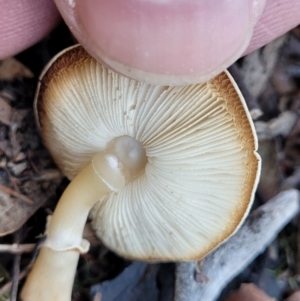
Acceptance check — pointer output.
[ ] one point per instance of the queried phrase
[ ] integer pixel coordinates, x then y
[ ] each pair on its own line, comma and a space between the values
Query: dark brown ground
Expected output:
30, 184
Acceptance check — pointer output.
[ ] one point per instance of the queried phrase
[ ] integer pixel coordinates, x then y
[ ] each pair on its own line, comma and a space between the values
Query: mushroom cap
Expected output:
202, 169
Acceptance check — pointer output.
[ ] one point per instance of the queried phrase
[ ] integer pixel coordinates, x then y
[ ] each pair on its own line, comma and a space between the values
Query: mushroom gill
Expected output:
200, 144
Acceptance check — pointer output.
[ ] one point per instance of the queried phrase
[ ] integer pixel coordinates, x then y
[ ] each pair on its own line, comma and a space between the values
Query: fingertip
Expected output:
176, 42
163, 41
278, 17
24, 23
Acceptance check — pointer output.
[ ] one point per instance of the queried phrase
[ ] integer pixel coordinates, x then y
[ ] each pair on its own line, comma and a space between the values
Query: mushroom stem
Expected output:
53, 273
65, 227
52, 276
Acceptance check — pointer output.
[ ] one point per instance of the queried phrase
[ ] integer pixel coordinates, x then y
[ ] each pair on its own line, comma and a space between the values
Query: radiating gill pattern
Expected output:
193, 191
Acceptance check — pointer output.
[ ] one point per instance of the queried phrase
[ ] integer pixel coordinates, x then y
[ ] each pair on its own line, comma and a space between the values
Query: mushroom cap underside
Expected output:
202, 167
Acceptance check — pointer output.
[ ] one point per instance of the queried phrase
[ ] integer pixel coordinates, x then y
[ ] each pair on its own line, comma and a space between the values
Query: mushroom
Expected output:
169, 172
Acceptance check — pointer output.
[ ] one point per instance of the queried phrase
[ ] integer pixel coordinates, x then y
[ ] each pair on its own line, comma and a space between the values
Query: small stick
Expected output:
12, 179
227, 261
4, 289
16, 194
48, 175
31, 163
15, 278
16, 269
257, 67
298, 248
16, 249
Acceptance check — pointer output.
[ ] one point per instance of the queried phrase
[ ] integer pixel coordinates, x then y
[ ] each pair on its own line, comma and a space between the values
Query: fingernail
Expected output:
167, 41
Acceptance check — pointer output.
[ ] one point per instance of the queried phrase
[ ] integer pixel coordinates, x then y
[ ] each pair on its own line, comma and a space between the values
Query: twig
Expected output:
15, 279
232, 257
258, 66
4, 289
31, 163
298, 249
17, 249
16, 269
48, 175
11, 178
16, 194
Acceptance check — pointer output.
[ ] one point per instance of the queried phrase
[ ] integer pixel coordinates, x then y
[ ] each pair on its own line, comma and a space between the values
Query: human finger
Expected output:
23, 23
163, 41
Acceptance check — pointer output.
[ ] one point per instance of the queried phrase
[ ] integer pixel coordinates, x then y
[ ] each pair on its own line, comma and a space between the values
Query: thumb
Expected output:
23, 23
164, 41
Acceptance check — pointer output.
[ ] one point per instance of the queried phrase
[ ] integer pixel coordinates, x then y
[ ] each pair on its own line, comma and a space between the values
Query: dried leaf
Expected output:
281, 81
249, 292
283, 124
11, 69
258, 66
5, 112
6, 148
17, 168
17, 138
18, 116
15, 212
